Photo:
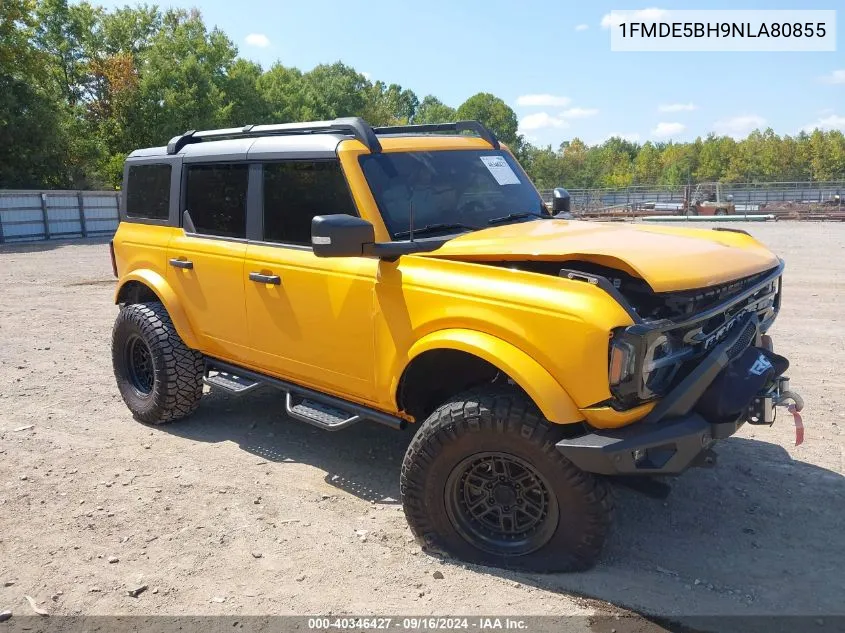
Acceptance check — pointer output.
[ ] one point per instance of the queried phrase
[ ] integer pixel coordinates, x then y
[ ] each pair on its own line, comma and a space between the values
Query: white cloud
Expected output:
540, 120
832, 122
582, 27
642, 15
543, 101
665, 129
677, 107
578, 113
836, 77
739, 126
367, 75
257, 39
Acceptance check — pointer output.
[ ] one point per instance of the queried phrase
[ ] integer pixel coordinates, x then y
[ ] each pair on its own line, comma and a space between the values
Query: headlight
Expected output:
621, 366
641, 368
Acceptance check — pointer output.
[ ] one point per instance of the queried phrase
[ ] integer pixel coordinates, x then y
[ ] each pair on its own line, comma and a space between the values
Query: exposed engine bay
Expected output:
674, 330
649, 305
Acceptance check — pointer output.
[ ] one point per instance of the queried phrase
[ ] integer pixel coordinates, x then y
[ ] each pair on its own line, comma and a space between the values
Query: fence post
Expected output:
44, 217
81, 203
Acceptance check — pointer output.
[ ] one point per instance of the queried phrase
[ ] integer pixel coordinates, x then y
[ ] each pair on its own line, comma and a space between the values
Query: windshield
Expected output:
450, 191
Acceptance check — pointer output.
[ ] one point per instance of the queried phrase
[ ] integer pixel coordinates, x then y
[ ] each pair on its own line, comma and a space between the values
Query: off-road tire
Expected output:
491, 421
174, 386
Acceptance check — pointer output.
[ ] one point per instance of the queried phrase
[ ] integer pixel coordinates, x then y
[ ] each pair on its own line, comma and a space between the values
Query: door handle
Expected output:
265, 279
182, 263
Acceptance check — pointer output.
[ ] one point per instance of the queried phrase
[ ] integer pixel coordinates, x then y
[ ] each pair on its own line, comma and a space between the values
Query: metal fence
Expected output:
44, 215
27, 216
746, 196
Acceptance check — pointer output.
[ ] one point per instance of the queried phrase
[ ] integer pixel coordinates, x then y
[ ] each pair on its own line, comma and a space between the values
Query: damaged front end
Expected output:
702, 354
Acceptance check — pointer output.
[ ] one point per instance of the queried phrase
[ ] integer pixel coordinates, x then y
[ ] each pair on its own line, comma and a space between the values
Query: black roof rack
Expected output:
459, 126
353, 126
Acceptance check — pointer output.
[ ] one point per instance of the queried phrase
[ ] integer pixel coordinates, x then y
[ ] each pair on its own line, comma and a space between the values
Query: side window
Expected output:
215, 196
148, 192
296, 191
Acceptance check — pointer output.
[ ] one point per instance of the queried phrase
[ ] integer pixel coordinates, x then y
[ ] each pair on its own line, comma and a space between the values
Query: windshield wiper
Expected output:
512, 216
433, 228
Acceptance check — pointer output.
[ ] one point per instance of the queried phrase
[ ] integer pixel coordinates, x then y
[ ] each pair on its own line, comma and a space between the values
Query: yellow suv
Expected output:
414, 275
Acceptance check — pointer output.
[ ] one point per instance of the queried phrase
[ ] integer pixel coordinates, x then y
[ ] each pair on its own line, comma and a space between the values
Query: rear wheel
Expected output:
721, 212
159, 377
483, 481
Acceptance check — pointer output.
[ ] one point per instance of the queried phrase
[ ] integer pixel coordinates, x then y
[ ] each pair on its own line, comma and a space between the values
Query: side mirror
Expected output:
561, 201
340, 235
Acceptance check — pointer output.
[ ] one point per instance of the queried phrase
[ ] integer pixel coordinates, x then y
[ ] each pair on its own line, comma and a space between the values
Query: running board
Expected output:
319, 409
231, 383
318, 414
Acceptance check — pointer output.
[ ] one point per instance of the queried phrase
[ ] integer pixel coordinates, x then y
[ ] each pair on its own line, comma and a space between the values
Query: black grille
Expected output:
748, 333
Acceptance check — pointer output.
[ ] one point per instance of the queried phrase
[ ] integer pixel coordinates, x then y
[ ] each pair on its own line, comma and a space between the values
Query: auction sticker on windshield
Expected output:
500, 170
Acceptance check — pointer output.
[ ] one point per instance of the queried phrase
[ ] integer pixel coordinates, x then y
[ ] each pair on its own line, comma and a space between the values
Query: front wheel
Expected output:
483, 481
159, 377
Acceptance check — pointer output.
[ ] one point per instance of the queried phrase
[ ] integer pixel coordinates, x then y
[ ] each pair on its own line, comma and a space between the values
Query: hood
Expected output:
667, 258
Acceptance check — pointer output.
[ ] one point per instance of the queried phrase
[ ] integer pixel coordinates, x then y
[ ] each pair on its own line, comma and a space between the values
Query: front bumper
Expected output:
646, 449
672, 437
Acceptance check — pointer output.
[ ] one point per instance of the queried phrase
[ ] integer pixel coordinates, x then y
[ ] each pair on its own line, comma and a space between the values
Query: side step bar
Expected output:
319, 409
229, 382
318, 414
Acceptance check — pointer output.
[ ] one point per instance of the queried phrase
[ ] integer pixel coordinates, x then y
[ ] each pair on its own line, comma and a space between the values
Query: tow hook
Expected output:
794, 407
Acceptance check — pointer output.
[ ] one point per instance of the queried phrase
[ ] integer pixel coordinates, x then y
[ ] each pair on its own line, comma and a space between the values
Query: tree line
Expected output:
82, 86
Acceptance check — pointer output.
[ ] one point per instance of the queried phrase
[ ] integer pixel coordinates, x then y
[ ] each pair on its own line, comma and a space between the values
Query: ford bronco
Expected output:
413, 275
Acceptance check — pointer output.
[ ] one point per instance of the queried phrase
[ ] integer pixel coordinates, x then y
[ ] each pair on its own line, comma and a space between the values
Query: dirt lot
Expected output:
242, 511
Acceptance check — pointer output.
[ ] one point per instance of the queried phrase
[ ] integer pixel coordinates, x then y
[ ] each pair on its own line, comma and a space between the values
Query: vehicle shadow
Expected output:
760, 534
363, 461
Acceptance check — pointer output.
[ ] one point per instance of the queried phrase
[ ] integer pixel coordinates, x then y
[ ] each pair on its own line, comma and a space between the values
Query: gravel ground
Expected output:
240, 510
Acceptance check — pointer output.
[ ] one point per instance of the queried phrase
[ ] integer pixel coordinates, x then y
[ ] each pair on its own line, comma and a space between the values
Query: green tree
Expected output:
281, 89
185, 79
647, 165
389, 105
332, 91
32, 142
432, 110
544, 165
246, 104
495, 114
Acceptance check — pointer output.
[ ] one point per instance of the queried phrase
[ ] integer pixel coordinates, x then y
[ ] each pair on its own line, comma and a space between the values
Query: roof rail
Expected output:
354, 126
459, 126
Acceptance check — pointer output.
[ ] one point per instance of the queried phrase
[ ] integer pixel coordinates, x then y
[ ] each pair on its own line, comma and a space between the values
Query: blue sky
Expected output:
550, 61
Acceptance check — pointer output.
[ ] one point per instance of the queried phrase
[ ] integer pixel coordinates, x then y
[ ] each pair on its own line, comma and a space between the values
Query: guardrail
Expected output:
27, 216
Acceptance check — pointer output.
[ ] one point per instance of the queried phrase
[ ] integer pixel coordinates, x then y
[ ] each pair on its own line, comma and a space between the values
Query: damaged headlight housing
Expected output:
641, 368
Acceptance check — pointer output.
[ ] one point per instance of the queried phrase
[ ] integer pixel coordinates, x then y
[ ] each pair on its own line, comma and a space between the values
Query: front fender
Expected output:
168, 298
552, 399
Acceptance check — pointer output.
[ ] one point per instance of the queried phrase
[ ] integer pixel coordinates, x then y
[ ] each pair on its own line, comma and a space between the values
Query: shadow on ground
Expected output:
363, 460
760, 534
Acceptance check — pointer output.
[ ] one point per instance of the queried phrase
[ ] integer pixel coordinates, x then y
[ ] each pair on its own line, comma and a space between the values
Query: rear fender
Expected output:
168, 298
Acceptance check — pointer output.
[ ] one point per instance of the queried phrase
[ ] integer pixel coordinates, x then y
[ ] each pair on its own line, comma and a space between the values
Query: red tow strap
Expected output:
799, 424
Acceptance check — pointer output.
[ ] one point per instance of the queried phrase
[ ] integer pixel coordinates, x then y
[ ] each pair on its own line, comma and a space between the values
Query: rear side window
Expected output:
215, 196
148, 192
296, 191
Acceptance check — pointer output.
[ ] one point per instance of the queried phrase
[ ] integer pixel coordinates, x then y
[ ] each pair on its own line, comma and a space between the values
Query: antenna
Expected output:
411, 216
